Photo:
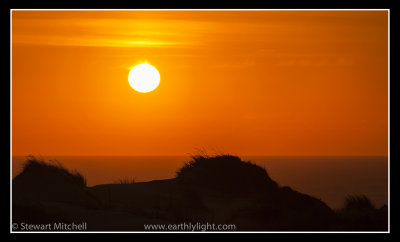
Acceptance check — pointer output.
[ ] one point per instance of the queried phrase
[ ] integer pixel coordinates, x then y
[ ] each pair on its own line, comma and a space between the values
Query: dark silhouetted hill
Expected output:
359, 213
225, 173
51, 182
220, 189
269, 207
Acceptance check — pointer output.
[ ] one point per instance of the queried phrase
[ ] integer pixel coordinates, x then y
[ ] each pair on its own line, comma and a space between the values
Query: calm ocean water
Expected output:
328, 178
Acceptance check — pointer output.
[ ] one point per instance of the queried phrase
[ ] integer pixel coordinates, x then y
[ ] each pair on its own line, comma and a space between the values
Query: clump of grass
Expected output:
33, 164
358, 202
224, 172
360, 214
125, 181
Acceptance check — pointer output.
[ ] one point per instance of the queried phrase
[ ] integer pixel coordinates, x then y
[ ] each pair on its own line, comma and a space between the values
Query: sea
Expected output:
329, 178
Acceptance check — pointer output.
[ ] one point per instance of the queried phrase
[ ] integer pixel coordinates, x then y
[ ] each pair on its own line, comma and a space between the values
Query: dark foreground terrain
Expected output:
220, 190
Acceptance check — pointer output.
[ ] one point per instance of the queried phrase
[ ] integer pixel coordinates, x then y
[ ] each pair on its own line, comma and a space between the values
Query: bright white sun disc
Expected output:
144, 78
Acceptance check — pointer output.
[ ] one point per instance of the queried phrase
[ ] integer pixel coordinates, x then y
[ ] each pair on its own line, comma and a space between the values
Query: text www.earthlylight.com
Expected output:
190, 227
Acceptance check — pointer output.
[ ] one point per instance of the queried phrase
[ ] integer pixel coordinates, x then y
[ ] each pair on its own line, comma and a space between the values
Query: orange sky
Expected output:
240, 82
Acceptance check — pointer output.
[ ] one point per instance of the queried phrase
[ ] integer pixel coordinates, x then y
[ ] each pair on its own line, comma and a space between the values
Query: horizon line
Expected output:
189, 155
201, 9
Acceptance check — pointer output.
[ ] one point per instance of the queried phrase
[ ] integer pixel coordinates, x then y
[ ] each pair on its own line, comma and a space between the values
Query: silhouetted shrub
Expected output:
126, 181
32, 164
224, 172
359, 214
358, 202
50, 181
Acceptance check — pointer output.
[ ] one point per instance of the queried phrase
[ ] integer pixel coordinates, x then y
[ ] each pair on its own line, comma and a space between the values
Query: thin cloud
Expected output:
104, 32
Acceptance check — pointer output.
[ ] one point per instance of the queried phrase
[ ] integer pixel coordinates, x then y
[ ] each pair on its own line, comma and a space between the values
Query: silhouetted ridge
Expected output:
51, 182
359, 213
358, 202
224, 172
55, 168
222, 189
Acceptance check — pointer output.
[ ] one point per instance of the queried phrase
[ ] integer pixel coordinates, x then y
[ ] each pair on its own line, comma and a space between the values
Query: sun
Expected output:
144, 78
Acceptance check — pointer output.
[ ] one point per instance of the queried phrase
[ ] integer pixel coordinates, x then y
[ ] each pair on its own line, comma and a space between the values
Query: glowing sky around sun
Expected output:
242, 82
